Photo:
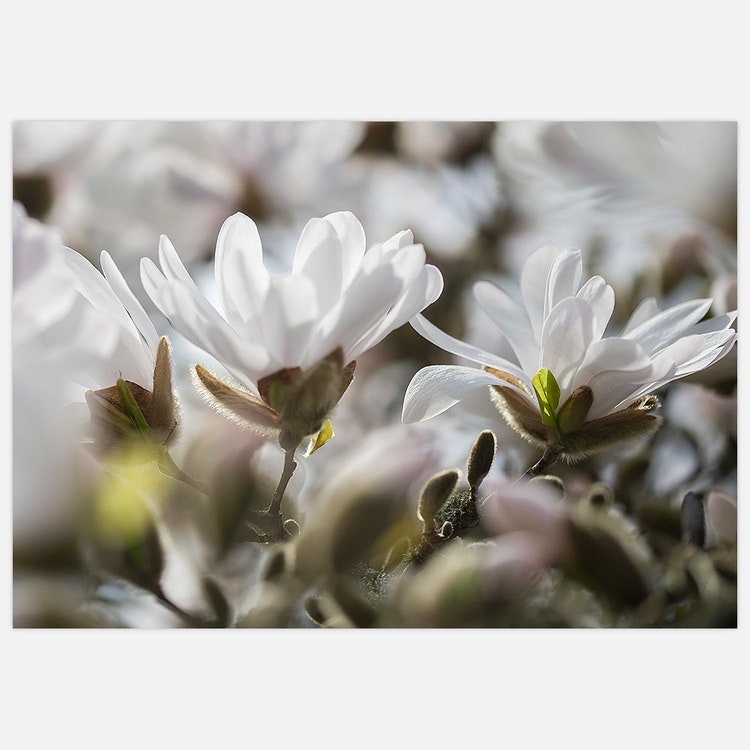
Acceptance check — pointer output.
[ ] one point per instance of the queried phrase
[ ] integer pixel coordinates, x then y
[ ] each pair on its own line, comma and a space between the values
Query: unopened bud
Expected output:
481, 456
574, 411
305, 399
435, 494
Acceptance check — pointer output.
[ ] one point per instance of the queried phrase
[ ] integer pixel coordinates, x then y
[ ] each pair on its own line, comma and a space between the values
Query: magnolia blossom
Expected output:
292, 340
86, 326
571, 387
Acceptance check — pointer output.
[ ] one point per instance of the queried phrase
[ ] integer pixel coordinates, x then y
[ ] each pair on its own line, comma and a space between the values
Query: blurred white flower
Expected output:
600, 384
434, 141
628, 194
446, 205
85, 326
300, 333
120, 184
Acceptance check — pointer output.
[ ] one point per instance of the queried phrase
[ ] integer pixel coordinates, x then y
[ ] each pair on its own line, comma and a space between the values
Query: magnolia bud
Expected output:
573, 412
127, 410
481, 456
435, 494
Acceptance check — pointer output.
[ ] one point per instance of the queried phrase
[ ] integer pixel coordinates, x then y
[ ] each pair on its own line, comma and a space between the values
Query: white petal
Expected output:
534, 285
438, 387
512, 321
120, 287
399, 240
329, 252
566, 337
423, 292
648, 308
93, 287
612, 368
365, 302
171, 265
247, 362
290, 316
694, 353
657, 332
241, 277
461, 349
601, 297
563, 280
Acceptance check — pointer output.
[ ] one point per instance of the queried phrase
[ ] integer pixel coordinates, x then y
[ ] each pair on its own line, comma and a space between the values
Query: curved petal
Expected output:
291, 314
369, 296
329, 252
93, 287
613, 368
156, 284
563, 279
512, 321
423, 292
696, 352
461, 349
661, 330
399, 240
601, 297
247, 362
129, 301
172, 267
646, 309
566, 337
534, 285
438, 387
241, 277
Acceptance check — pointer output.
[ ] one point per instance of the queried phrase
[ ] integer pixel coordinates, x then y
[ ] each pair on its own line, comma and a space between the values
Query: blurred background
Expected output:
651, 205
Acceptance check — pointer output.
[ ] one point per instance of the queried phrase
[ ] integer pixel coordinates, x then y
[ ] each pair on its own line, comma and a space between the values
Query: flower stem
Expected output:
549, 457
274, 509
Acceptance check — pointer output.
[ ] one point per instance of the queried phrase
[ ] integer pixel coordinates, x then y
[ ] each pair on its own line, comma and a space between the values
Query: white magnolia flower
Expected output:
649, 204
293, 340
86, 326
571, 390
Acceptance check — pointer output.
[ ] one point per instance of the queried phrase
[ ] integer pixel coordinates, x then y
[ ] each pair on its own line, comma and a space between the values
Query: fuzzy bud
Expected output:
128, 411
481, 456
435, 494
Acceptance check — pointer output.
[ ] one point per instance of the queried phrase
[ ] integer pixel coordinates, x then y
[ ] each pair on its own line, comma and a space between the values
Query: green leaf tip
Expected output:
131, 408
548, 395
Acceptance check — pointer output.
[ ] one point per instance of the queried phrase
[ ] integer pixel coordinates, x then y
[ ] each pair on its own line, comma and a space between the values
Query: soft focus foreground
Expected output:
211, 362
